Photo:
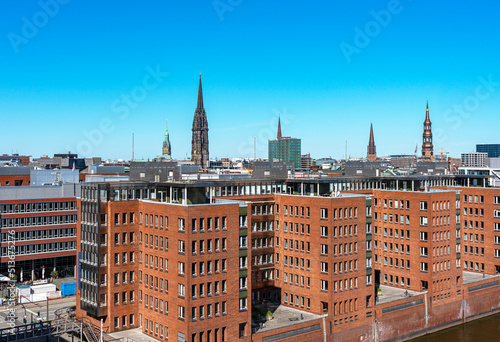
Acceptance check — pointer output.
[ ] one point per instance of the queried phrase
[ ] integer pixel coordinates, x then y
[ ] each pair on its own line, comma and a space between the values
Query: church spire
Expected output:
427, 146
166, 150
372, 149
199, 141
200, 96
279, 128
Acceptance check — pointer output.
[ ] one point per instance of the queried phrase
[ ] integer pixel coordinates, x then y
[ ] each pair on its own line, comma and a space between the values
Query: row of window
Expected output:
126, 297
31, 221
476, 198
397, 204
125, 238
478, 224
396, 280
39, 234
212, 288
340, 213
39, 248
304, 229
198, 246
345, 307
305, 246
301, 301
346, 248
398, 233
212, 310
154, 283
126, 321
401, 219
474, 250
206, 267
125, 278
473, 266
290, 277
394, 262
303, 262
37, 207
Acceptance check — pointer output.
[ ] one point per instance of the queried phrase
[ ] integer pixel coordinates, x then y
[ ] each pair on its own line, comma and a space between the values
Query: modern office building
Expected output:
285, 149
473, 159
493, 150
38, 230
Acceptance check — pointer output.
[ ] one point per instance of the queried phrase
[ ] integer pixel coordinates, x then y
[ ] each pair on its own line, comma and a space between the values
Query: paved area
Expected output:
391, 294
286, 316
135, 335
472, 277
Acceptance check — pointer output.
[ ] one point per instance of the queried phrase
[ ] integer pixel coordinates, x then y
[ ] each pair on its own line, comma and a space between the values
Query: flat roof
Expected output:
284, 316
472, 277
392, 294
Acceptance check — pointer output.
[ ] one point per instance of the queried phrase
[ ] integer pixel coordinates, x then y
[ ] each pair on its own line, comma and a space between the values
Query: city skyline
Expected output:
258, 60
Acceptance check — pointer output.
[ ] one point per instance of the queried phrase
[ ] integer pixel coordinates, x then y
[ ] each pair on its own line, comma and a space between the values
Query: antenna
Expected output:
254, 148
132, 146
346, 150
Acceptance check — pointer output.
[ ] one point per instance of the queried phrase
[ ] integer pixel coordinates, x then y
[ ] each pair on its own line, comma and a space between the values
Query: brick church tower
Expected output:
372, 149
199, 142
427, 146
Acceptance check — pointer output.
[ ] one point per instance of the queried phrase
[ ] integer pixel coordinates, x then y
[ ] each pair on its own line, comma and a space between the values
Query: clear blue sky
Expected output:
66, 70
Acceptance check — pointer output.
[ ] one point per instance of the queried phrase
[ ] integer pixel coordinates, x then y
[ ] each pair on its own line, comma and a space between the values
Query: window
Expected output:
324, 267
182, 290
181, 267
243, 303
182, 226
324, 213
324, 249
182, 246
324, 285
423, 206
423, 221
324, 231
181, 312
424, 267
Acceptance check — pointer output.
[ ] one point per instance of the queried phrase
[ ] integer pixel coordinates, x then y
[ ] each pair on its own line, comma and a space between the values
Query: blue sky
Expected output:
68, 67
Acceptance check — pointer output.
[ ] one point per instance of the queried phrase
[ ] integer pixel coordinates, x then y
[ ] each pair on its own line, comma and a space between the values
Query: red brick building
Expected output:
193, 261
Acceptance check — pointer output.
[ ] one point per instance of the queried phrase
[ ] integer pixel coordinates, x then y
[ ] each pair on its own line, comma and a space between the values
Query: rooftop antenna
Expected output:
132, 146
254, 148
346, 150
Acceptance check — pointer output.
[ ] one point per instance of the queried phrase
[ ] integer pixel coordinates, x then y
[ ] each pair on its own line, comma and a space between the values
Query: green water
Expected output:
485, 329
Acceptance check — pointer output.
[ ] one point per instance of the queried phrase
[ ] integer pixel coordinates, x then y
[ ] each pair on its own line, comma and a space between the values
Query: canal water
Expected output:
485, 329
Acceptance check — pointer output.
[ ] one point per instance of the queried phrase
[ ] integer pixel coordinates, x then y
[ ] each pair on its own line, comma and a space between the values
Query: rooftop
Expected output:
134, 335
472, 277
391, 294
284, 316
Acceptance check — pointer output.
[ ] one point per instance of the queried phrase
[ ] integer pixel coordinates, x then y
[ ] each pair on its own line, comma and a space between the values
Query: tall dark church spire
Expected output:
199, 142
427, 146
372, 149
279, 128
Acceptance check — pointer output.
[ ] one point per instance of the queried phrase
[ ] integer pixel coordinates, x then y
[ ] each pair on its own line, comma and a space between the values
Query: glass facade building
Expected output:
493, 150
286, 150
